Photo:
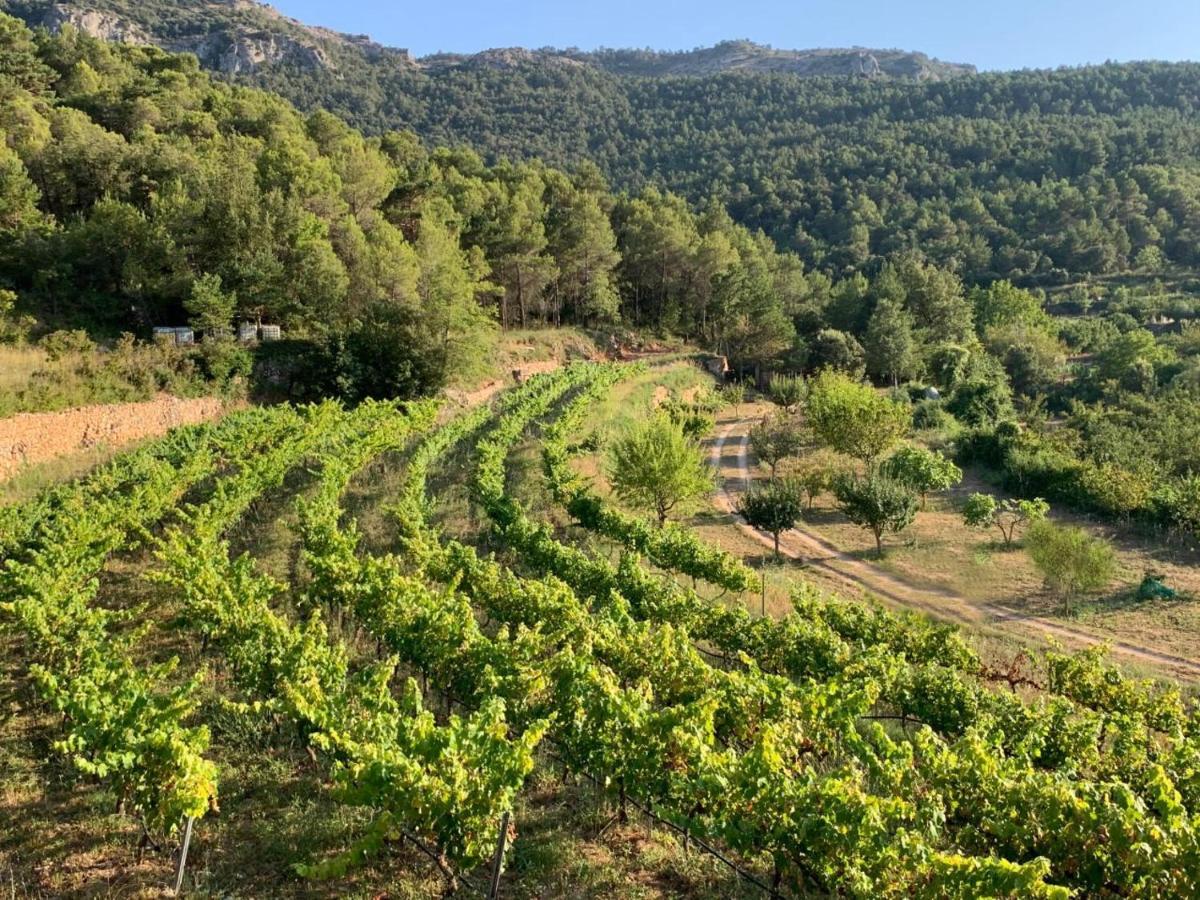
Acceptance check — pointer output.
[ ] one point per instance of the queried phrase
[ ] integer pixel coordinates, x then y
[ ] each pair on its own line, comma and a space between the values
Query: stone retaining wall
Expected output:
34, 437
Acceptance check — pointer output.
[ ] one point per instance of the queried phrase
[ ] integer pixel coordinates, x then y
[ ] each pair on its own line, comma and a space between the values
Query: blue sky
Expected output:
997, 34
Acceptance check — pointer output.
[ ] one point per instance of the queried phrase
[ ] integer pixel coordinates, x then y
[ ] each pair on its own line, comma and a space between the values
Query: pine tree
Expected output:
889, 342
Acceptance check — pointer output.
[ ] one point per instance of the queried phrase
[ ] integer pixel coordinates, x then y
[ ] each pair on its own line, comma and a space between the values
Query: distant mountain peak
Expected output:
234, 37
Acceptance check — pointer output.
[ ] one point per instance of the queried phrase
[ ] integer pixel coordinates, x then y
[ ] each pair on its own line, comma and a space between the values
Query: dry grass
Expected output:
33, 478
17, 364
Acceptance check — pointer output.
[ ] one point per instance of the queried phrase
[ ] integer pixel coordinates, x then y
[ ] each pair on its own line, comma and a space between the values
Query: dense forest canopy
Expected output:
1027, 175
1037, 176
140, 191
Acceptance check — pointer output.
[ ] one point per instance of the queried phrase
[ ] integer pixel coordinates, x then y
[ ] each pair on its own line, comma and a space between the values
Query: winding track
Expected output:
860, 575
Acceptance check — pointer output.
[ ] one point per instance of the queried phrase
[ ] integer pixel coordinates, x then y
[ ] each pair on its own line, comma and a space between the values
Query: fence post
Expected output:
498, 862
183, 852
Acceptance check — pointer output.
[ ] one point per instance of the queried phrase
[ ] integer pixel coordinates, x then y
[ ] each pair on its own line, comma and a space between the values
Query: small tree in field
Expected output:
985, 511
775, 440
922, 470
814, 473
209, 307
787, 391
734, 394
853, 418
656, 466
876, 502
1071, 560
13, 328
774, 508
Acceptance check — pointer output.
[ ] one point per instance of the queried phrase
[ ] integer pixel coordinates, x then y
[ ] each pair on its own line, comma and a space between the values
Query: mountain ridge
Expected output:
240, 36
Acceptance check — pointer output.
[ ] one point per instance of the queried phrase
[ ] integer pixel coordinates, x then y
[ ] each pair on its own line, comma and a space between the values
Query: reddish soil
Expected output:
485, 391
35, 437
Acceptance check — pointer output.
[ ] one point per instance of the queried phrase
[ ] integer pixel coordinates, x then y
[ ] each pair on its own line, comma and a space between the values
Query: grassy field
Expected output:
33, 478
17, 365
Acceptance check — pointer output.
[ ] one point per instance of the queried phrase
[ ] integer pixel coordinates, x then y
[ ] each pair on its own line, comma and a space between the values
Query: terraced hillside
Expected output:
347, 651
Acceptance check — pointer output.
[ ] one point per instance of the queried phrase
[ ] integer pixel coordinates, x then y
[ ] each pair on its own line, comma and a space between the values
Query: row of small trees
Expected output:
658, 464
892, 483
848, 418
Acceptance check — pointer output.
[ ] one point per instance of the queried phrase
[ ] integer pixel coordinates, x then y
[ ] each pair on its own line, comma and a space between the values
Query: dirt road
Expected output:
730, 456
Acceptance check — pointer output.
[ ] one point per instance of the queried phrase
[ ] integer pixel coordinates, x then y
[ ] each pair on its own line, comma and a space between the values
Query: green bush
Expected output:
787, 391
655, 465
922, 470
773, 508
985, 511
1072, 561
694, 418
981, 401
774, 440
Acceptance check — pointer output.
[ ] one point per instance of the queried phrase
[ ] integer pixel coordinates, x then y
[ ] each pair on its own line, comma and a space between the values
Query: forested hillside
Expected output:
1035, 176
139, 191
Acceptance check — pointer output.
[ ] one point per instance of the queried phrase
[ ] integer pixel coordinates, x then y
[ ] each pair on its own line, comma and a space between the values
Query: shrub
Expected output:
695, 420
787, 391
734, 394
60, 345
14, 328
854, 419
922, 470
814, 473
1112, 490
1072, 561
655, 465
1177, 505
981, 401
775, 440
985, 511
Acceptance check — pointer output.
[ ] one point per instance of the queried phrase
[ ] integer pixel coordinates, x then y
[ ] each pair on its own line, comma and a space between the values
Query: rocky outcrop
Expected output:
238, 37
868, 65
238, 48
748, 56
245, 52
501, 58
99, 24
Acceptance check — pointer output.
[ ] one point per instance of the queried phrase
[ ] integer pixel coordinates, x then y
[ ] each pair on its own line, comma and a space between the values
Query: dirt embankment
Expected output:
35, 437
488, 389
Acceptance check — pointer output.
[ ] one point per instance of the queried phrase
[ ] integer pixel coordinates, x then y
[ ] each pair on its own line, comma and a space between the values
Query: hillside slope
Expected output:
1039, 176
